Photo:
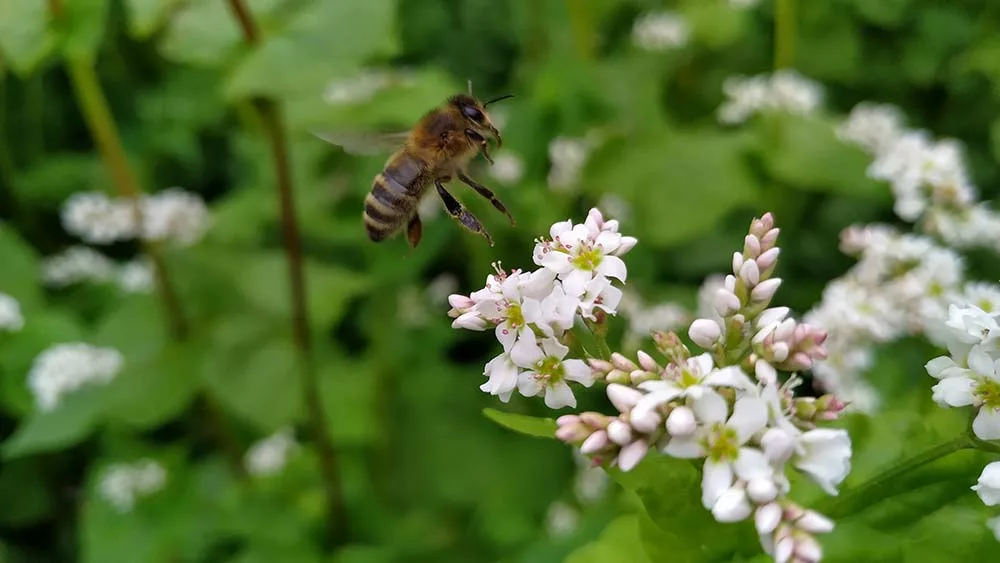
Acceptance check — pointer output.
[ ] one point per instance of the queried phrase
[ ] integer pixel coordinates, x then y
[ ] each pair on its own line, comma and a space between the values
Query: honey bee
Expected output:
435, 151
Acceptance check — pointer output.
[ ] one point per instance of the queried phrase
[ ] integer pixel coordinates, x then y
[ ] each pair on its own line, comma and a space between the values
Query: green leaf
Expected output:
82, 27
52, 180
19, 276
809, 156
529, 425
888, 13
42, 329
154, 390
714, 24
145, 17
68, 424
24, 494
620, 541
25, 37
350, 399
323, 40
203, 33
686, 181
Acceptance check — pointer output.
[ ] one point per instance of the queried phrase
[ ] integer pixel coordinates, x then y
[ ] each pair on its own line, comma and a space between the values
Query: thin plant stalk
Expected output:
272, 121
784, 34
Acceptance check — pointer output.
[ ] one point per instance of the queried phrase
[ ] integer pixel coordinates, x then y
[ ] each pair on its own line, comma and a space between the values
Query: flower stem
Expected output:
599, 330
784, 34
868, 492
272, 119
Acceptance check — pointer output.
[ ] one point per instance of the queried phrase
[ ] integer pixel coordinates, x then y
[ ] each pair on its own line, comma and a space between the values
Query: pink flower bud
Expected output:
751, 246
769, 239
620, 432
750, 273
632, 454
599, 366
622, 363
595, 419
647, 362
785, 330
784, 545
470, 321
595, 219
638, 376
595, 442
681, 422
644, 417
765, 290
627, 244
617, 376
726, 302
738, 261
572, 433
623, 398
705, 332
814, 523
779, 352
798, 362
568, 419
767, 259
767, 518
460, 302
610, 225
670, 345
761, 490
807, 549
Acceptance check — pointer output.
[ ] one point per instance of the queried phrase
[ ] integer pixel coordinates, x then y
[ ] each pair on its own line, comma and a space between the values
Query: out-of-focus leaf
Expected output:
809, 156
888, 13
53, 179
620, 541
995, 139
25, 37
686, 181
82, 25
323, 40
829, 46
66, 425
19, 276
153, 390
202, 33
529, 425
136, 328
146, 16
42, 329
983, 58
24, 494
714, 24
349, 392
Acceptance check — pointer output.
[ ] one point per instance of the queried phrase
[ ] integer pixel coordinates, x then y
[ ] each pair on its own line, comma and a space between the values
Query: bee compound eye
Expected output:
473, 113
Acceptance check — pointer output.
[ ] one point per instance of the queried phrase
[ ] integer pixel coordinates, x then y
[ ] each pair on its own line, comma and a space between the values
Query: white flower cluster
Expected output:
988, 489
11, 319
270, 455
507, 168
122, 484
172, 214
970, 377
928, 177
63, 368
747, 428
82, 264
784, 90
901, 285
567, 156
660, 31
531, 312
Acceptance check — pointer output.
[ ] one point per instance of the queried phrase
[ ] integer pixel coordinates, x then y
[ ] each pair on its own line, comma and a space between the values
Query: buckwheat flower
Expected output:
978, 386
561, 519
11, 319
598, 294
270, 455
136, 276
176, 215
873, 127
784, 90
64, 368
988, 485
507, 168
547, 371
358, 89
825, 455
660, 31
567, 156
76, 264
695, 379
577, 258
98, 219
985, 296
502, 377
122, 484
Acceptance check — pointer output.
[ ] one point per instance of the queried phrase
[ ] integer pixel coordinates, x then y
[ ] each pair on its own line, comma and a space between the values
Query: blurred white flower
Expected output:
561, 519
360, 88
873, 127
64, 368
994, 525
784, 90
615, 206
507, 168
76, 264
136, 276
660, 31
566, 157
743, 4
176, 215
270, 455
98, 219
171, 214
11, 319
122, 484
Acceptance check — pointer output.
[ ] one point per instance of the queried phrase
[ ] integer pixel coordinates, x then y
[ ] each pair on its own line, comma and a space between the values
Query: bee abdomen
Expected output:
387, 207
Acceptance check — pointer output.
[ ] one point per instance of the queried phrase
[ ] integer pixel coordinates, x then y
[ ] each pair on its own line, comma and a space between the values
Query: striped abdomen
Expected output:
394, 196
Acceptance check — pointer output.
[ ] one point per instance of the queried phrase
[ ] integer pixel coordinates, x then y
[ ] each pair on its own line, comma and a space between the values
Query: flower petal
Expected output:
716, 479
749, 417
527, 385
559, 395
526, 352
578, 371
953, 391
575, 282
752, 464
554, 349
732, 506
987, 424
710, 407
613, 267
729, 376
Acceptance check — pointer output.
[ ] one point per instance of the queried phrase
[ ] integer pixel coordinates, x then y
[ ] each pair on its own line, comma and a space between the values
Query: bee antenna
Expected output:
494, 100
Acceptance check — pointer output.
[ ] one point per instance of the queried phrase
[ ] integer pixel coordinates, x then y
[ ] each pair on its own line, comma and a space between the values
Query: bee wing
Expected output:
365, 143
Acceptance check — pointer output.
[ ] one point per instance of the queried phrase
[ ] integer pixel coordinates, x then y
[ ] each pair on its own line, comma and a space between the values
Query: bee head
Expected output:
475, 113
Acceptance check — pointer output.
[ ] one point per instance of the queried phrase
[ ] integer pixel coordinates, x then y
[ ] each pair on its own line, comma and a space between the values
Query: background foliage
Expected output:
426, 477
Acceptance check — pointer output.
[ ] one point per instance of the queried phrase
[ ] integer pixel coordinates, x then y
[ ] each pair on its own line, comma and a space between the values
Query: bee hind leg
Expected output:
460, 213
488, 194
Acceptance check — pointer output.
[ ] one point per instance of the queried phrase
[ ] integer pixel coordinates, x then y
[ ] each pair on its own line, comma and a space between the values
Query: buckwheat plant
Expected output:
730, 407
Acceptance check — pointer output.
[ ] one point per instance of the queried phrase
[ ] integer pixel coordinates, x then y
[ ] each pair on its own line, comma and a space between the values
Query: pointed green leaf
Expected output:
25, 37
529, 425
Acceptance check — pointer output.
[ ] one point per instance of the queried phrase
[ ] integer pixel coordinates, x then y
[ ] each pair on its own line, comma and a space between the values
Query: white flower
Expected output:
76, 264
11, 319
122, 484
64, 368
567, 157
873, 127
994, 525
176, 215
269, 455
547, 372
577, 258
978, 386
357, 89
660, 31
785, 91
136, 276
98, 219
502, 374
507, 168
825, 455
561, 519
971, 325
988, 485
694, 380
599, 294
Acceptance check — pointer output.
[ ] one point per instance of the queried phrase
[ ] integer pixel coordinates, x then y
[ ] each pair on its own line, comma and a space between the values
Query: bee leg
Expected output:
483, 144
460, 213
414, 230
485, 192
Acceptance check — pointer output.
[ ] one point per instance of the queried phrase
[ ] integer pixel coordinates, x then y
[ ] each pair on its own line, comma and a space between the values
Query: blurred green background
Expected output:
425, 476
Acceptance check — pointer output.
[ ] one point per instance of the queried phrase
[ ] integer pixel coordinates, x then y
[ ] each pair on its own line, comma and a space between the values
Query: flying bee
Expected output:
435, 151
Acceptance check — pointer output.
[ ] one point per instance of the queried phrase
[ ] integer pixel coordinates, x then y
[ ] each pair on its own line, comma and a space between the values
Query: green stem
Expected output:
784, 34
600, 336
582, 28
272, 119
869, 490
7, 166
